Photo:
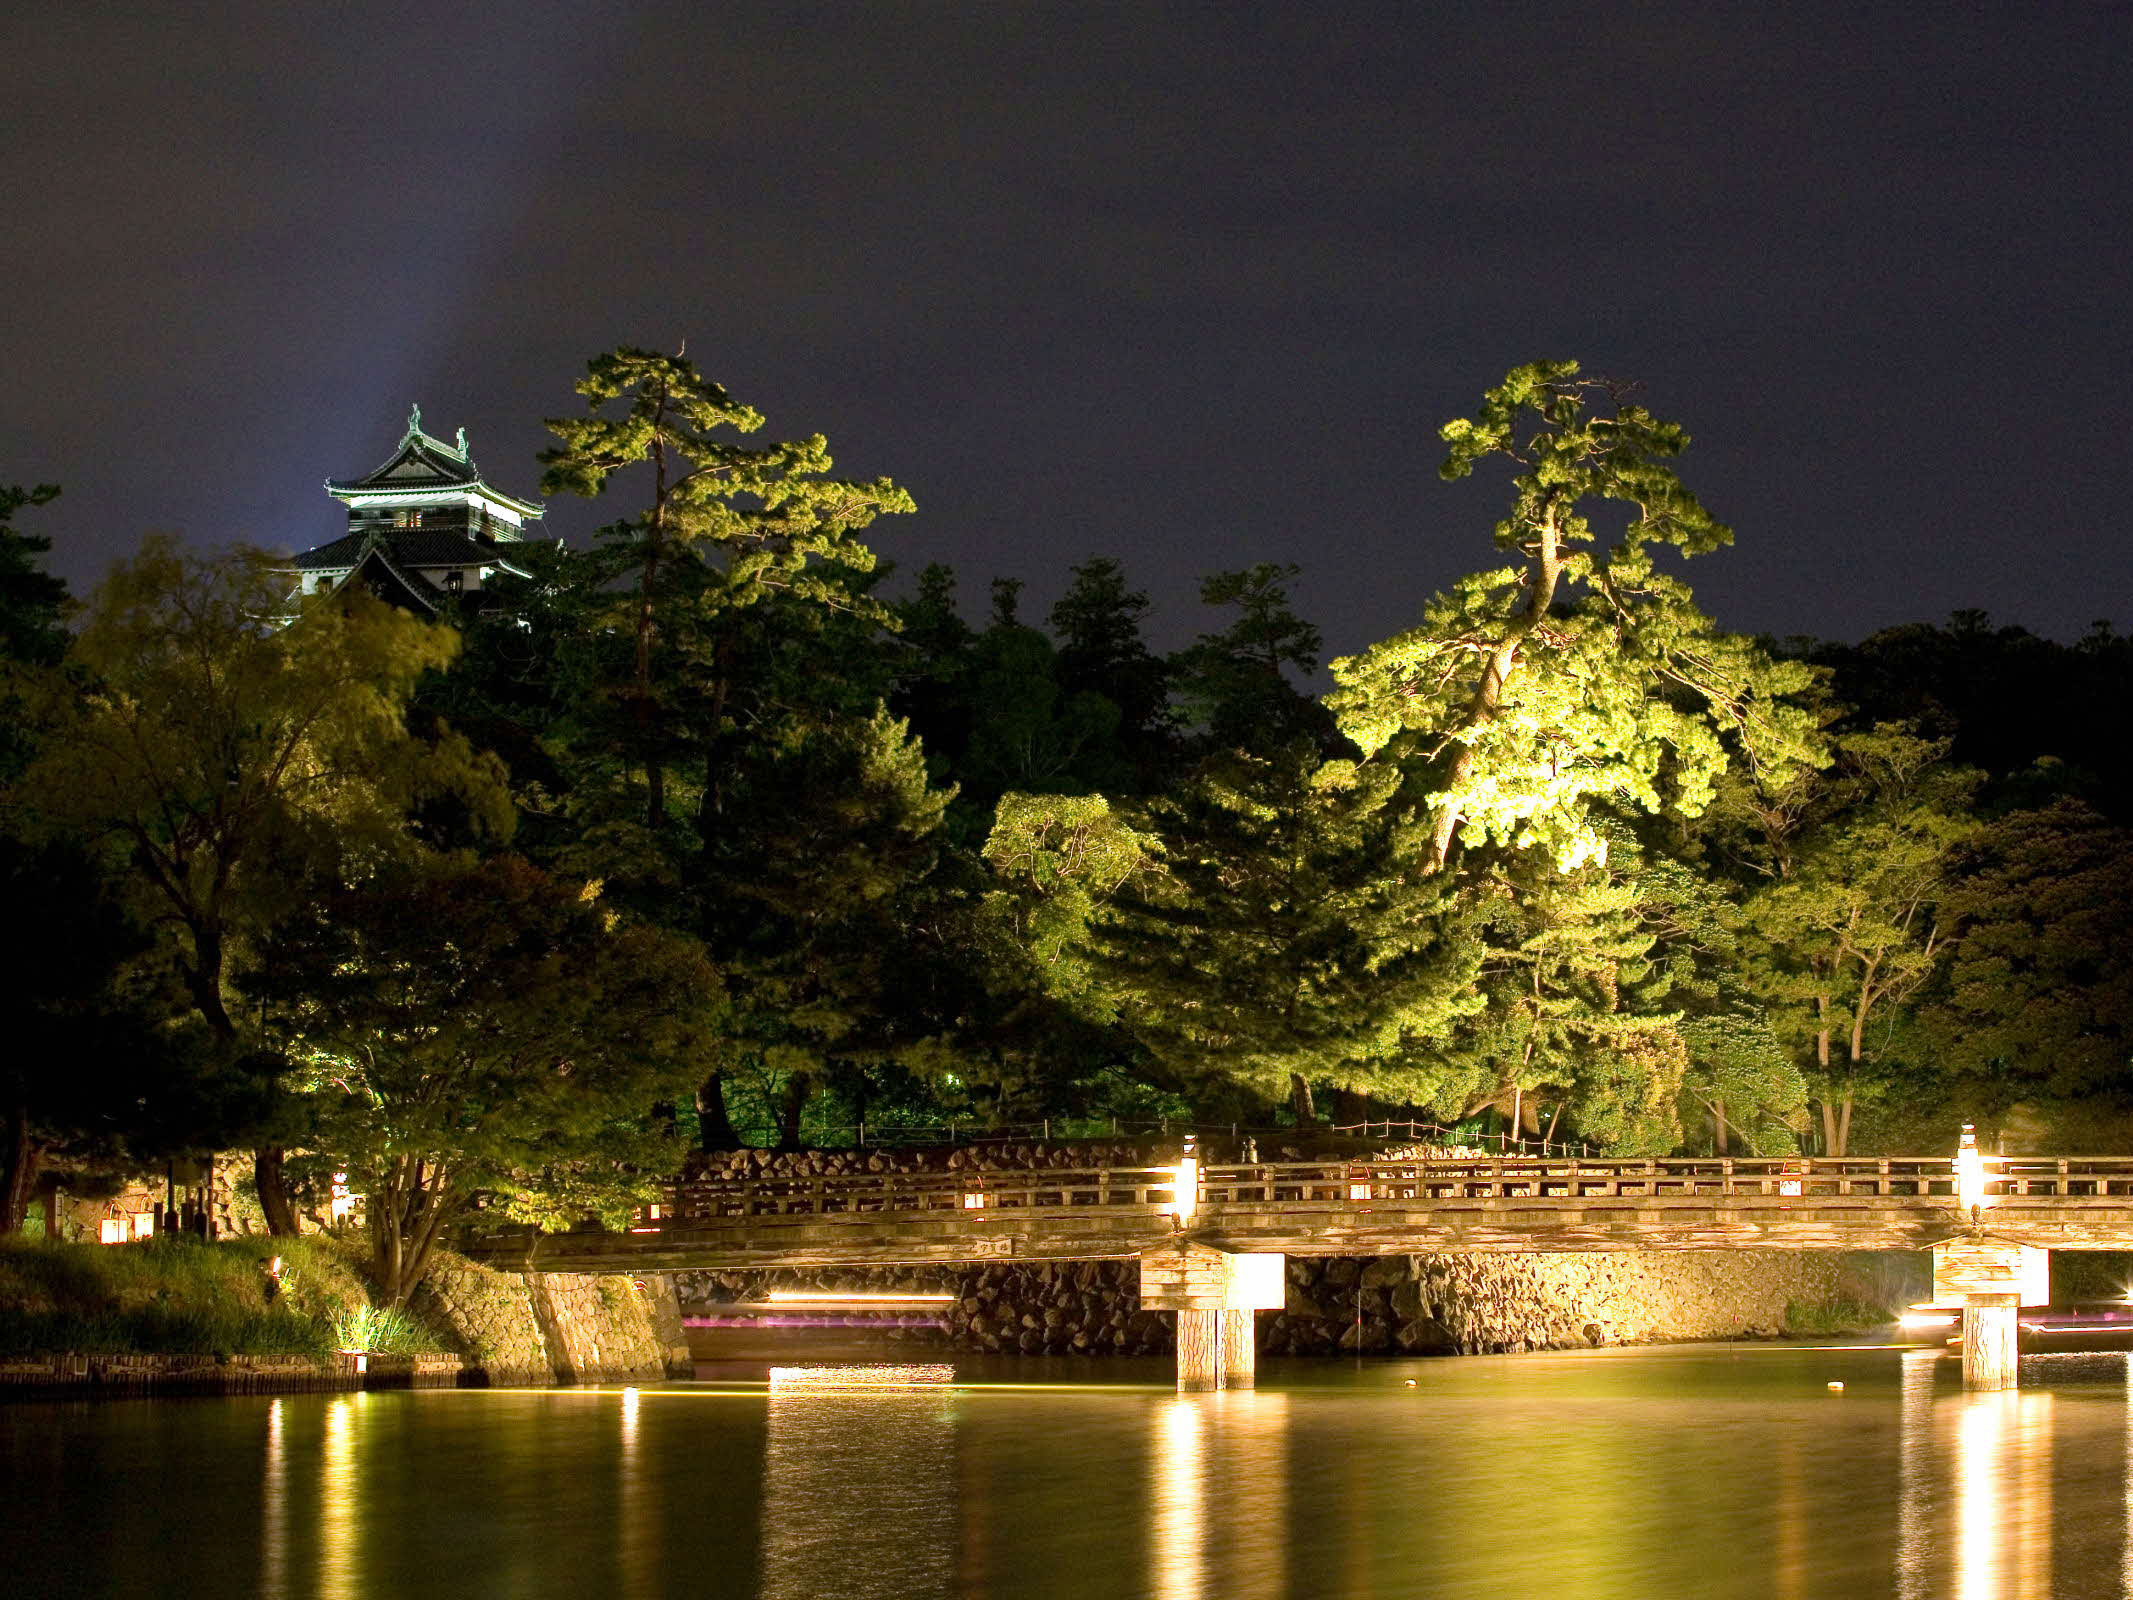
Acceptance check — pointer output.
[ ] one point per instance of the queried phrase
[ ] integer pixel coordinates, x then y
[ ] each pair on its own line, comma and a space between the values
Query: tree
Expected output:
480, 1032
33, 610
803, 899
1097, 624
235, 765
1568, 1003
80, 987
1581, 673
1276, 937
2019, 708
726, 525
2037, 1004
1235, 685
1842, 919
65, 994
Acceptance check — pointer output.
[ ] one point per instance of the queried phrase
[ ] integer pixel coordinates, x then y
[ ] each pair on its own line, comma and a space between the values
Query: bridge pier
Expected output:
1199, 1351
1992, 1280
1214, 1292
1240, 1348
1989, 1341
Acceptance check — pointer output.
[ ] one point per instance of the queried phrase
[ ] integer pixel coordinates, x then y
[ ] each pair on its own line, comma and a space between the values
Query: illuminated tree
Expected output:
725, 527
1275, 937
1843, 920
1581, 675
234, 765
479, 1031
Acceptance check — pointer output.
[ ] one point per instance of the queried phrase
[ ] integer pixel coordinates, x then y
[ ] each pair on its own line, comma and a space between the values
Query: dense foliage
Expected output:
793, 844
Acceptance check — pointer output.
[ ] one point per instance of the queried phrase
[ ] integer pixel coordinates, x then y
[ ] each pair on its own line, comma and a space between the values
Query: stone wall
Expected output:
598, 1329
1491, 1303
1437, 1304
556, 1327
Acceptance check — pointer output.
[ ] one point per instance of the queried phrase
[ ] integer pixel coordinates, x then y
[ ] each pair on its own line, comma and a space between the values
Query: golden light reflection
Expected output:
2003, 1496
274, 1513
2125, 1558
1794, 1532
1915, 1477
1234, 1543
859, 1492
1252, 1455
636, 1517
1180, 1498
339, 1514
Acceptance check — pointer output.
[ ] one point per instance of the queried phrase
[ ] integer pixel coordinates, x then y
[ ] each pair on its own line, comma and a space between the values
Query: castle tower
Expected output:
422, 528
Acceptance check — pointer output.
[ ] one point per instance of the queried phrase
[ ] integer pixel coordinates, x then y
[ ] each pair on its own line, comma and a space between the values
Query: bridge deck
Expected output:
1349, 1208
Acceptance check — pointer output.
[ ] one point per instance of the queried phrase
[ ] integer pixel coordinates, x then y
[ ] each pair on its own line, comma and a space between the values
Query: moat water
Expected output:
1702, 1471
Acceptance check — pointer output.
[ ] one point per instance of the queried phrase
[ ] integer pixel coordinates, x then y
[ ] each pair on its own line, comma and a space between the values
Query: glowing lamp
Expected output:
1185, 1188
1969, 1172
973, 1200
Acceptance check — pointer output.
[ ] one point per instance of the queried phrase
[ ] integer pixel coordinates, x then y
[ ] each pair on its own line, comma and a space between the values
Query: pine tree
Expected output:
725, 527
1236, 686
1098, 625
1278, 937
1580, 674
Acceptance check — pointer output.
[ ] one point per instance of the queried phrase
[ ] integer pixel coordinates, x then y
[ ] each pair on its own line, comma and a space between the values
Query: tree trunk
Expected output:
798, 1087
1718, 1128
714, 1128
1487, 699
273, 1186
18, 1171
1300, 1101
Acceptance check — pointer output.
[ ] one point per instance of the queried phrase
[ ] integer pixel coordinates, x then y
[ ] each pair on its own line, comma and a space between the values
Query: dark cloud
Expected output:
1190, 284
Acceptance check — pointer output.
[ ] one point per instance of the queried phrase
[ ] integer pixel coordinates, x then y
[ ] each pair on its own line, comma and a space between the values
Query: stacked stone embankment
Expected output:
1393, 1305
557, 1327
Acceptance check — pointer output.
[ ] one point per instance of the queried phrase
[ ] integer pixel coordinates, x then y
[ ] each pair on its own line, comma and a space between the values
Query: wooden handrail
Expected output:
1316, 1184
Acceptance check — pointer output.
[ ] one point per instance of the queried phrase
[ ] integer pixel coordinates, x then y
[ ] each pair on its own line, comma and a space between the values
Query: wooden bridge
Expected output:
1358, 1208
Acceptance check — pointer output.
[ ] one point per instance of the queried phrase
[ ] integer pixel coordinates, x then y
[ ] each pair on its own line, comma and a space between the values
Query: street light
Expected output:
1970, 1175
1185, 1191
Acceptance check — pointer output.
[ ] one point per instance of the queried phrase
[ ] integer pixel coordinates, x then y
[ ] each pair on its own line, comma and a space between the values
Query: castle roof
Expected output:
413, 548
425, 468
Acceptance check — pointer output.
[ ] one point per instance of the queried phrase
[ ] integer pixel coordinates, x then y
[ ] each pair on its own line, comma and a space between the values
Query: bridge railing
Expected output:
1320, 1184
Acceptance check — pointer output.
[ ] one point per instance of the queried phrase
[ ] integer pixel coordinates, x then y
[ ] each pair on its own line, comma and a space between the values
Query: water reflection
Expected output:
1180, 1497
859, 1484
636, 1515
340, 1511
1975, 1489
1915, 1480
1218, 1521
274, 1508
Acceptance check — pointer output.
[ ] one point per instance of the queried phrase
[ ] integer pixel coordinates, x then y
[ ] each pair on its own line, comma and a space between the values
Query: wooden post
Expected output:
1993, 1279
1240, 1350
1989, 1341
1199, 1351
1214, 1292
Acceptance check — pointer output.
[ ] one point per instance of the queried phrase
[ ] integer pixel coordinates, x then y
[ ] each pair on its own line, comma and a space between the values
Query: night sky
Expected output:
1193, 285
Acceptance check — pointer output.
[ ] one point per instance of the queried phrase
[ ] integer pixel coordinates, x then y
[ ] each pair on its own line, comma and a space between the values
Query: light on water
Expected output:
1703, 1472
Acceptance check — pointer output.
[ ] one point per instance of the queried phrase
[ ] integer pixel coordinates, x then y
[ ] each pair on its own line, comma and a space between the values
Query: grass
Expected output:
1834, 1316
180, 1296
